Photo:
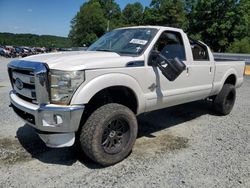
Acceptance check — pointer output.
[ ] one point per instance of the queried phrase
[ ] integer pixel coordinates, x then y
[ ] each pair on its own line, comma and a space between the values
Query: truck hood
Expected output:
81, 60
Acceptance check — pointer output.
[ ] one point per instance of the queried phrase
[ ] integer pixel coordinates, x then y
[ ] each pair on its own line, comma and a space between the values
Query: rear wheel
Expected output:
109, 134
224, 101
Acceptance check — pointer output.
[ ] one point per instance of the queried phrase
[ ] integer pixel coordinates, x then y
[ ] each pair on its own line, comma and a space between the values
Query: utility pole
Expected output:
108, 22
108, 25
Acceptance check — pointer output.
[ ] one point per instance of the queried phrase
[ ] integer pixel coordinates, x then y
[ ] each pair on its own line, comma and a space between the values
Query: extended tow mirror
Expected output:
171, 69
153, 58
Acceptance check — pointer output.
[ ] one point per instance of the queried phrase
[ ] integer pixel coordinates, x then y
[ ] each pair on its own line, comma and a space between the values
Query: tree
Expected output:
112, 12
221, 24
240, 46
34, 40
133, 14
151, 16
216, 22
166, 12
244, 9
110, 5
88, 24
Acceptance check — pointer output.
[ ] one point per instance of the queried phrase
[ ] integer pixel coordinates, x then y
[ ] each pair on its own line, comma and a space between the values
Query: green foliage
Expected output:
112, 12
166, 12
111, 8
133, 14
218, 22
88, 24
222, 24
152, 16
34, 40
240, 46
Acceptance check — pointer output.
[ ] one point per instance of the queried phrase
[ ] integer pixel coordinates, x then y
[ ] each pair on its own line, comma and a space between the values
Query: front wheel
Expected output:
224, 101
109, 134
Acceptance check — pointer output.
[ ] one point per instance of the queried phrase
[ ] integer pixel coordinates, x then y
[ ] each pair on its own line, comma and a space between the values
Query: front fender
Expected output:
86, 91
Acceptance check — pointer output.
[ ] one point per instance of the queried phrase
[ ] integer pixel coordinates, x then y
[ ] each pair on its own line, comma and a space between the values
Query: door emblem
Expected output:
19, 84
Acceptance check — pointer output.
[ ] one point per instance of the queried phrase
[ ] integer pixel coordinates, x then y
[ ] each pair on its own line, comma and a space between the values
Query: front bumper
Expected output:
48, 118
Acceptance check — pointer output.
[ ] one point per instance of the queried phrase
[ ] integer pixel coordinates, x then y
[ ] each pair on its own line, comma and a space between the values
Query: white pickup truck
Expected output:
92, 97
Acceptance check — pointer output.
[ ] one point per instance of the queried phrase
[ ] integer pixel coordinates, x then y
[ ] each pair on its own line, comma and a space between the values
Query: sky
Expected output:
43, 17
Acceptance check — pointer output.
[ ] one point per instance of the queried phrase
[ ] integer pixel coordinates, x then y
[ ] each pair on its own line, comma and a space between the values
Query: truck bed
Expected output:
222, 60
225, 68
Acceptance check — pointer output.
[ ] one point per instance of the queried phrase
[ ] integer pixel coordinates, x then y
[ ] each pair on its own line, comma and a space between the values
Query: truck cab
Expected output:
198, 60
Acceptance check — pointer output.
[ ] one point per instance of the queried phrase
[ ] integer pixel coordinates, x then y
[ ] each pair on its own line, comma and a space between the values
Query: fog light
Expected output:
52, 120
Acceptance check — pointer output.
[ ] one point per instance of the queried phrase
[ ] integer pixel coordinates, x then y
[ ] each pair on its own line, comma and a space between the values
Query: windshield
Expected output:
132, 41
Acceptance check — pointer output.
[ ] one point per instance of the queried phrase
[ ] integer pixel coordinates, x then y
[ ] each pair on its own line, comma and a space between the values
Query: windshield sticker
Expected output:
138, 41
138, 49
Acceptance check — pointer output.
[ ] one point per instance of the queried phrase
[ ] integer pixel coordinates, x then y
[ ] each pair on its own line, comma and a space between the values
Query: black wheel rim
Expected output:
230, 99
115, 135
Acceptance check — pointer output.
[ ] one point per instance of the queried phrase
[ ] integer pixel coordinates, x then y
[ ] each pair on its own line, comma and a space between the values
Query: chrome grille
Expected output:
29, 80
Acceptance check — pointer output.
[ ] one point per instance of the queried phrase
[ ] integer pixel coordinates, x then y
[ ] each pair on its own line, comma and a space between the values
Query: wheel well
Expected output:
115, 94
231, 79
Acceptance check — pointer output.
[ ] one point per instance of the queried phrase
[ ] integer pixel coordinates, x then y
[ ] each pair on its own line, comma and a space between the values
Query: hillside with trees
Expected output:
34, 40
223, 24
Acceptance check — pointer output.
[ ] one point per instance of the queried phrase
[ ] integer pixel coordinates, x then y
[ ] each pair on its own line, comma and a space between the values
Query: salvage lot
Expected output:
183, 146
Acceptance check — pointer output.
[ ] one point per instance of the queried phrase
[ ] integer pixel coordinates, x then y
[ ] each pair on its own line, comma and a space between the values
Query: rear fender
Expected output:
219, 84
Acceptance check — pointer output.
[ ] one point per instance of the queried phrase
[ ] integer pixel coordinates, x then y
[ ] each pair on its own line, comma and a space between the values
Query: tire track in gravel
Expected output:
11, 152
159, 144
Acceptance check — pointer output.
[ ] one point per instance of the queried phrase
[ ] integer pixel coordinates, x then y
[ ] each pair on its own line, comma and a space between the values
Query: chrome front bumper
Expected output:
48, 118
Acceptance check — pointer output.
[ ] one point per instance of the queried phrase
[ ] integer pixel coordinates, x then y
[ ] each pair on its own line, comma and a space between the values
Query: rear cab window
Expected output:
199, 51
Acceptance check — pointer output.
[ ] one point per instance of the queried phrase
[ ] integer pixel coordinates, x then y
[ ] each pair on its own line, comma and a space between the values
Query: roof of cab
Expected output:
154, 27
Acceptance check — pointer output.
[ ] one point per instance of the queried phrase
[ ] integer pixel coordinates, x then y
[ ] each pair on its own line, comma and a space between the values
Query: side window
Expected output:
199, 51
170, 45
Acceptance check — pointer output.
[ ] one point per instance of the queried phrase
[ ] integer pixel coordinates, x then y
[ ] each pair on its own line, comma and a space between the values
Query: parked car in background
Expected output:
2, 51
18, 51
22, 51
6, 52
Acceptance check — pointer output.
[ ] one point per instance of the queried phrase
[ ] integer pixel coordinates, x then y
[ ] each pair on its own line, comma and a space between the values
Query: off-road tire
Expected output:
92, 132
224, 101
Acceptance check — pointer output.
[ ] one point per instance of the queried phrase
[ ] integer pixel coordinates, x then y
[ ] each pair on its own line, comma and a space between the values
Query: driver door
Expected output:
161, 92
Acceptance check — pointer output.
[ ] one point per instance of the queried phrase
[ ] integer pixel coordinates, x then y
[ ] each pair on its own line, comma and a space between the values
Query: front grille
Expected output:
26, 98
27, 89
29, 80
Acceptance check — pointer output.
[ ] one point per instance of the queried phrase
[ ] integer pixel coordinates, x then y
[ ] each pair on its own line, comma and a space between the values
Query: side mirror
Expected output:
171, 69
153, 58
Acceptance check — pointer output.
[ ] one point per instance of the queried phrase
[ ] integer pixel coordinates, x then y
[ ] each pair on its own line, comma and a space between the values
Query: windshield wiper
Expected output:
107, 50
104, 50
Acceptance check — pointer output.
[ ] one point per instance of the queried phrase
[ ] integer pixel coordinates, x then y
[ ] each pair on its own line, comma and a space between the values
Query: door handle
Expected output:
187, 70
210, 69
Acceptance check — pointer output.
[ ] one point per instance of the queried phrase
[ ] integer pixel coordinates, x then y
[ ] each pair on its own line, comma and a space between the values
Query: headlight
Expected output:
63, 84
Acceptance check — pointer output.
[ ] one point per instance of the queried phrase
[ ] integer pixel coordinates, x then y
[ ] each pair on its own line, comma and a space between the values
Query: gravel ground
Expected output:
183, 146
